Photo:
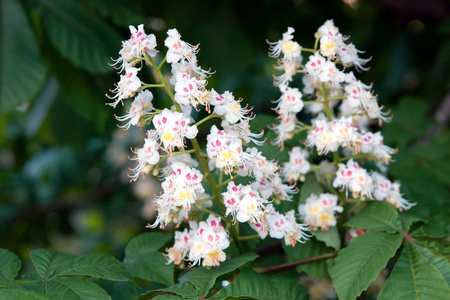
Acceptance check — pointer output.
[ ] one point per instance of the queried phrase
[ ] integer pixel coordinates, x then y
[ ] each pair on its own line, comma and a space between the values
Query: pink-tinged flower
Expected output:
224, 150
330, 39
127, 86
358, 94
373, 143
319, 211
225, 105
297, 166
178, 49
284, 130
142, 43
274, 187
256, 165
244, 204
354, 178
141, 105
147, 156
183, 243
172, 128
290, 101
242, 130
389, 191
209, 241
189, 90
315, 65
331, 74
348, 56
282, 226
291, 50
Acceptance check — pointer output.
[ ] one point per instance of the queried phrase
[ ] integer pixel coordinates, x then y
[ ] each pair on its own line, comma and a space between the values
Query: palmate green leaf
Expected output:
203, 279
118, 289
144, 260
22, 72
98, 265
183, 289
251, 285
47, 261
361, 261
12, 294
75, 289
377, 216
414, 277
312, 248
330, 237
440, 262
10, 264
79, 35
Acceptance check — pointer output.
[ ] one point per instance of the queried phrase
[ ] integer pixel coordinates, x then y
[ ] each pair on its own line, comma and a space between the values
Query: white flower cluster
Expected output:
343, 108
228, 150
203, 241
319, 211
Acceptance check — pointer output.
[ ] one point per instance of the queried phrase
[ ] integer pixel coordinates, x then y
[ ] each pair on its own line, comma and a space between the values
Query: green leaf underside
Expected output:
415, 277
376, 216
96, 265
22, 72
361, 261
11, 294
10, 264
203, 279
251, 285
144, 260
47, 261
75, 289
330, 237
314, 269
79, 35
184, 289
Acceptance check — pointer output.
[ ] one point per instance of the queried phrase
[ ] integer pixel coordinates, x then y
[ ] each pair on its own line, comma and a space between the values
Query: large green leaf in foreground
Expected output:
415, 277
9, 265
360, 263
22, 72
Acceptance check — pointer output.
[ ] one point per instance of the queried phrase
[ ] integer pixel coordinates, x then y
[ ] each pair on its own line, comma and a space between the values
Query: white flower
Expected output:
172, 128
127, 86
298, 164
384, 189
348, 55
225, 105
224, 150
319, 211
141, 105
290, 49
146, 156
315, 65
178, 49
354, 178
330, 39
373, 143
290, 101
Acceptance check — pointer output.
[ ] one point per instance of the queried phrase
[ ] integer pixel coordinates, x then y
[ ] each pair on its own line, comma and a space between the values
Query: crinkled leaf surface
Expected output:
22, 72
361, 261
24, 295
47, 261
183, 289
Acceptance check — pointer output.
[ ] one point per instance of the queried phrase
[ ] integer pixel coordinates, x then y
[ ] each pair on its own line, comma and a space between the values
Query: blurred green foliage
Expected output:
62, 163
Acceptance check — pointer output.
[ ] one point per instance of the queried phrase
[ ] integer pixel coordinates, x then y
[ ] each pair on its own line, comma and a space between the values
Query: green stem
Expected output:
248, 237
213, 115
312, 102
308, 50
213, 213
229, 180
